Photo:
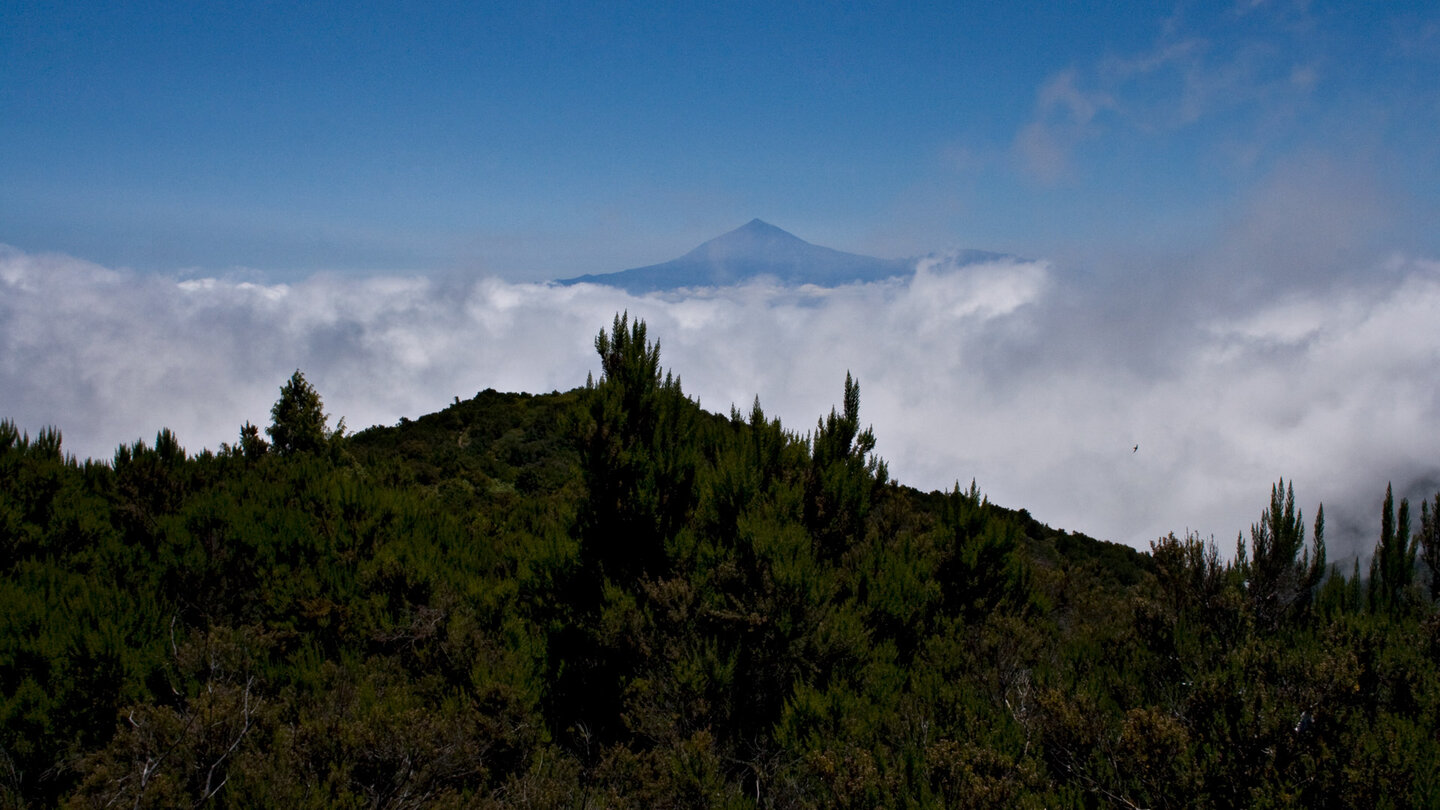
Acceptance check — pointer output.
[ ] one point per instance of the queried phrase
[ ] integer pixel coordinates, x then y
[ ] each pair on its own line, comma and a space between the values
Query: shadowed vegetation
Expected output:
610, 598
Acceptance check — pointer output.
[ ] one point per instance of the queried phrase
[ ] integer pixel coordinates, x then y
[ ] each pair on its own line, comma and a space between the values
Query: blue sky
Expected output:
551, 139
1226, 218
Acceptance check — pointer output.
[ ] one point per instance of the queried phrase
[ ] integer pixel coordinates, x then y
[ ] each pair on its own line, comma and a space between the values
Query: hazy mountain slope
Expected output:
757, 249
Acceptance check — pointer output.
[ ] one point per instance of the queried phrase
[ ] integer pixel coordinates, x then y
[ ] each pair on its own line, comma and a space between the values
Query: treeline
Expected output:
611, 598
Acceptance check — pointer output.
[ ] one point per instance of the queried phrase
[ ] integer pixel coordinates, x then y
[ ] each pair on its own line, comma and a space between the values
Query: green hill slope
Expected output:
609, 597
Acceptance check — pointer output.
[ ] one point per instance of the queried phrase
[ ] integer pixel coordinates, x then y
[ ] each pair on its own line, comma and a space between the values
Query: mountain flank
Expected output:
759, 250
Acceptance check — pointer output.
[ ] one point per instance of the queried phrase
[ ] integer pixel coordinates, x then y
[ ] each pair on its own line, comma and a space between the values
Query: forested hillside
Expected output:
610, 598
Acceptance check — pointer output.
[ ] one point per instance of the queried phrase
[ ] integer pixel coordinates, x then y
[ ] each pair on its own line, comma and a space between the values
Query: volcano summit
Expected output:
759, 250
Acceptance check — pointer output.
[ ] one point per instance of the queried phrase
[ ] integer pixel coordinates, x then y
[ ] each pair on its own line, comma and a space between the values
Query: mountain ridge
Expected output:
754, 250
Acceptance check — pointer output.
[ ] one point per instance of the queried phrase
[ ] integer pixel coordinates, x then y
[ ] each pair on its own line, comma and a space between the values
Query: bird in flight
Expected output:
1136, 450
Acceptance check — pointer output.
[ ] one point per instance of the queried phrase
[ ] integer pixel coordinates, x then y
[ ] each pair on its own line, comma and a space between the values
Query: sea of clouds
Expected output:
1034, 382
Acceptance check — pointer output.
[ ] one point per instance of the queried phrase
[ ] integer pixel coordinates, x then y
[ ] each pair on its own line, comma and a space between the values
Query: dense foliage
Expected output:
608, 597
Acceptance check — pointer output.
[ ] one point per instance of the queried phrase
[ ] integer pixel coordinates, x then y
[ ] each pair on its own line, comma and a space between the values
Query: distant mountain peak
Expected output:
756, 249
756, 240
759, 226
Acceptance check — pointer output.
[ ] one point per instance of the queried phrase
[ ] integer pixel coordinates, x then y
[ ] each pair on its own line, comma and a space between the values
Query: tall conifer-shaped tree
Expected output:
1429, 543
640, 458
842, 476
298, 423
1392, 568
1280, 572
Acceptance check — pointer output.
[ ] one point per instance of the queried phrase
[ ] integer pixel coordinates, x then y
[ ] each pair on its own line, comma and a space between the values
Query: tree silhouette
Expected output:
298, 423
1280, 578
1429, 543
1392, 568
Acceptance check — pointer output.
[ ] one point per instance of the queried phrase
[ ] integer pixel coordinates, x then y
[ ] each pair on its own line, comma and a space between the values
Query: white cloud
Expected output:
1064, 116
991, 372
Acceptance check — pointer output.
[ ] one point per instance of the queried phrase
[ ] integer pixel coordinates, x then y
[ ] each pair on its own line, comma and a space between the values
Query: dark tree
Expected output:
638, 447
1281, 573
251, 445
639, 455
843, 474
982, 569
1429, 543
1392, 569
298, 422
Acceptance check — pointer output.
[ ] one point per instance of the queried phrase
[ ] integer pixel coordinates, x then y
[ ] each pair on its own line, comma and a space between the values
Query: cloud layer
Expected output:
1012, 373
